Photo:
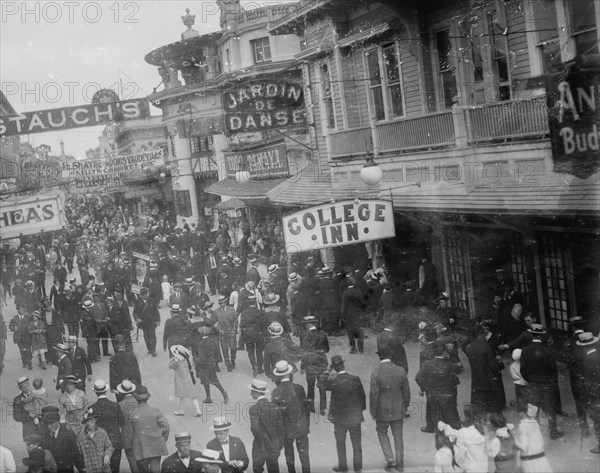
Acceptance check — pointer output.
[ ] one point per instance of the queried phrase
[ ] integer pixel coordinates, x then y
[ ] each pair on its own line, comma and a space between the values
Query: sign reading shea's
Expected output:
30, 216
266, 162
341, 223
574, 122
73, 117
263, 106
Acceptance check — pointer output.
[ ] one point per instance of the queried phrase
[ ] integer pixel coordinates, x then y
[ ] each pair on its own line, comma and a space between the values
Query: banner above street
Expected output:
338, 224
31, 216
42, 121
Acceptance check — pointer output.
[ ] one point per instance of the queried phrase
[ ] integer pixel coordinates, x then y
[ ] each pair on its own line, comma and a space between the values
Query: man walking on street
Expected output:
151, 434
81, 367
147, 318
348, 401
123, 366
18, 325
315, 346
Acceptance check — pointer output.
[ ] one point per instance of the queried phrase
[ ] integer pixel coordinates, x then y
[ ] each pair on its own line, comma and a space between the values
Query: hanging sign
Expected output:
574, 122
73, 117
263, 106
266, 162
341, 223
30, 216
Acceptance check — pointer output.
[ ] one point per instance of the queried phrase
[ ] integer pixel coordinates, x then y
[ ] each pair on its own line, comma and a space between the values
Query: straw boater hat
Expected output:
275, 328
182, 437
100, 386
61, 347
126, 387
222, 299
189, 281
259, 386
537, 329
586, 338
220, 423
273, 268
292, 277
22, 380
309, 319
326, 269
576, 320
237, 261
282, 368
175, 308
270, 298
209, 456
87, 304
251, 298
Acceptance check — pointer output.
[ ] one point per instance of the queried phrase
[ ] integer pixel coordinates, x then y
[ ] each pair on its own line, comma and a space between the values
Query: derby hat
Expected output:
177, 284
220, 423
282, 368
51, 416
33, 438
141, 393
126, 387
144, 290
259, 386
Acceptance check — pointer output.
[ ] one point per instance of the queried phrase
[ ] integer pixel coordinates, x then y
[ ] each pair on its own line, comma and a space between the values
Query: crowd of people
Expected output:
220, 305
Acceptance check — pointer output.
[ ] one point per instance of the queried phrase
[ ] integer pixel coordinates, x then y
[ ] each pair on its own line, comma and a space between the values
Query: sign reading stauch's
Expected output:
263, 106
574, 121
341, 223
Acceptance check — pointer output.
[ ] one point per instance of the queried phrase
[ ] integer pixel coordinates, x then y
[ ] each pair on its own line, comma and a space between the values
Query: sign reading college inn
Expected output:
342, 223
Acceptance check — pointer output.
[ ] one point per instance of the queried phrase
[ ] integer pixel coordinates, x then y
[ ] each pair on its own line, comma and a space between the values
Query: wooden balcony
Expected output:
507, 120
428, 131
352, 142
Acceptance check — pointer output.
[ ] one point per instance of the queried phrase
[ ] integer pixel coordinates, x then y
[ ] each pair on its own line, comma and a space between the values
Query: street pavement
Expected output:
569, 454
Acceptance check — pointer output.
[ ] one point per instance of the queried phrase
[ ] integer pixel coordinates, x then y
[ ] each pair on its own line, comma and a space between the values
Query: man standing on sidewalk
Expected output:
389, 399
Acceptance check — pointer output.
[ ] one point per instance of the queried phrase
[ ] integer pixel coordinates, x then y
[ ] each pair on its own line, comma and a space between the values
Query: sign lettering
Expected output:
30, 216
267, 162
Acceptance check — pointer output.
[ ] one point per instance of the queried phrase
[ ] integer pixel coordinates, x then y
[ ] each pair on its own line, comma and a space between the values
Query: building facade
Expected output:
452, 103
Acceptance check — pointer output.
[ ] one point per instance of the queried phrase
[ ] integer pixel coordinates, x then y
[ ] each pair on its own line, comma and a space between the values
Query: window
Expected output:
500, 58
446, 70
202, 144
261, 48
327, 96
555, 269
583, 26
385, 82
228, 59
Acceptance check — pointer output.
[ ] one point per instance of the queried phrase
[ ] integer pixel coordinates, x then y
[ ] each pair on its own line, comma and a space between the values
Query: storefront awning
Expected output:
243, 190
230, 204
311, 186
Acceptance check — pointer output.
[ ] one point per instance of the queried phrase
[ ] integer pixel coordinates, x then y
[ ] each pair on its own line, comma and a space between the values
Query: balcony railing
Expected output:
507, 120
351, 142
428, 131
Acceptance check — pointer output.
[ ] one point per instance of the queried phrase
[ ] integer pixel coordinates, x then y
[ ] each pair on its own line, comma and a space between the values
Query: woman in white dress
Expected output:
182, 363
470, 451
531, 444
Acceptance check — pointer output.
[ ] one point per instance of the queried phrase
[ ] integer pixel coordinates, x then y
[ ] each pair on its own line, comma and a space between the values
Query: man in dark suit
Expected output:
147, 318
18, 325
314, 346
182, 461
486, 377
266, 424
438, 379
353, 313
120, 321
64, 364
178, 297
291, 399
232, 450
123, 365
176, 330
62, 443
538, 368
80, 364
388, 400
110, 418
347, 402
20, 414
252, 274
388, 341
251, 334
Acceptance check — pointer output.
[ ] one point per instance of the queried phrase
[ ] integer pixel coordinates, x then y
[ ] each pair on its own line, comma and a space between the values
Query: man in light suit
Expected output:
182, 461
347, 402
266, 424
232, 450
388, 400
151, 434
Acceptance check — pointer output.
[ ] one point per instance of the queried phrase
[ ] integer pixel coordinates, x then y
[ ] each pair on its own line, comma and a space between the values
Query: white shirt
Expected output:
185, 461
225, 447
7, 461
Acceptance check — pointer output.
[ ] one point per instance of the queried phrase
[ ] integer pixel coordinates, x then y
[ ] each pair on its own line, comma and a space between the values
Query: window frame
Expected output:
259, 44
326, 100
435, 59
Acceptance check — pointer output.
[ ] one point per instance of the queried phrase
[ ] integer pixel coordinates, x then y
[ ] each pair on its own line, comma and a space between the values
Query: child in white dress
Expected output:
167, 288
470, 450
531, 444
444, 457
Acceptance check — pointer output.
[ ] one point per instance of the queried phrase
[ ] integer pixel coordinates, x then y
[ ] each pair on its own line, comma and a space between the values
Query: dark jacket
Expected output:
237, 451
147, 312
353, 307
277, 349
538, 364
111, 418
437, 377
251, 324
119, 319
172, 464
389, 342
124, 365
485, 370
176, 332
348, 400
390, 393
19, 329
315, 345
65, 450
80, 363
266, 424
291, 399
65, 368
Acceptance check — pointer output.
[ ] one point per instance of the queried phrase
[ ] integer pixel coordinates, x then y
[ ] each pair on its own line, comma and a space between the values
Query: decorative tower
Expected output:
189, 20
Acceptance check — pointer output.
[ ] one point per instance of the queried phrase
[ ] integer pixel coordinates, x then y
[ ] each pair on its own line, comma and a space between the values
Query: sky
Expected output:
55, 54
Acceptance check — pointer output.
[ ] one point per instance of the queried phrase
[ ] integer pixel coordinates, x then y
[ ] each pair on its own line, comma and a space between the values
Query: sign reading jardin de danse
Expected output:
30, 216
341, 223
73, 117
574, 122
265, 162
263, 106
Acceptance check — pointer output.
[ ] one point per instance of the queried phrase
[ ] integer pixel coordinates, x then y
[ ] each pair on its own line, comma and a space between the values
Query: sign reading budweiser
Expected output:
73, 117
574, 122
110, 171
266, 162
30, 216
262, 106
341, 223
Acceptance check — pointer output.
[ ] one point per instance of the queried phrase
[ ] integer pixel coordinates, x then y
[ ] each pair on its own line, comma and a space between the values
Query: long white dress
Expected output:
470, 451
531, 442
